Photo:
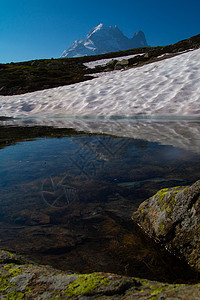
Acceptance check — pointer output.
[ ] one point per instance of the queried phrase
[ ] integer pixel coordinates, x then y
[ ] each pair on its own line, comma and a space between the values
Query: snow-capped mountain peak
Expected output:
95, 29
104, 39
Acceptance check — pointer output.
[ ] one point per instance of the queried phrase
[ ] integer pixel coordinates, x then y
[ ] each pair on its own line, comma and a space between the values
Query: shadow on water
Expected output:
67, 196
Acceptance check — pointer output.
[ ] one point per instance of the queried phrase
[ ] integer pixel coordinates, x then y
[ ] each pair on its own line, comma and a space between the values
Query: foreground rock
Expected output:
22, 280
172, 216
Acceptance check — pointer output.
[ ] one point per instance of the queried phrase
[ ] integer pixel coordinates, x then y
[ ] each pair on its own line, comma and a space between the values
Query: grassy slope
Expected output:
23, 77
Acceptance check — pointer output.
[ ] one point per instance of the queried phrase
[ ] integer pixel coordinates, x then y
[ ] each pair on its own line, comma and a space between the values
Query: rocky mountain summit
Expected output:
104, 39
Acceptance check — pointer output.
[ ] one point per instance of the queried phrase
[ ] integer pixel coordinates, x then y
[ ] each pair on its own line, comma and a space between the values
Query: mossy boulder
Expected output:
31, 281
172, 216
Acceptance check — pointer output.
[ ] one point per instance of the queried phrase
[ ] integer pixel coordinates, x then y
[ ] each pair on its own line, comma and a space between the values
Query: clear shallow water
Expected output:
68, 201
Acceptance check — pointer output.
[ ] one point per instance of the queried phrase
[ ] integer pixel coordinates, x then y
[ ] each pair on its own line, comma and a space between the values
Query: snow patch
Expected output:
167, 87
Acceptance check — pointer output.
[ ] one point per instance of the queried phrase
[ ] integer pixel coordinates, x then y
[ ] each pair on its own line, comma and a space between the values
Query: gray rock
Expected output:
109, 69
121, 64
46, 295
31, 281
57, 282
7, 257
111, 63
21, 281
172, 216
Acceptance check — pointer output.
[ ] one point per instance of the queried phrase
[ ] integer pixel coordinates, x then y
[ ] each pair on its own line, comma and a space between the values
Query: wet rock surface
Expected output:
172, 217
31, 281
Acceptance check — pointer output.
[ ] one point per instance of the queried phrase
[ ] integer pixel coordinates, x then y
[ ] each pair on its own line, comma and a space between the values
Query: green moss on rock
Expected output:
9, 253
4, 279
161, 227
157, 291
14, 271
166, 198
15, 296
86, 284
172, 216
5, 284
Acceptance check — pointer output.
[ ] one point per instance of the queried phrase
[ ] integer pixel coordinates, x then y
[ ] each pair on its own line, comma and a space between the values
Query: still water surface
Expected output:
67, 200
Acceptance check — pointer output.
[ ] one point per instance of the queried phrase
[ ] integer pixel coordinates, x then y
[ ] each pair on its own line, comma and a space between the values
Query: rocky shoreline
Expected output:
171, 217
23, 280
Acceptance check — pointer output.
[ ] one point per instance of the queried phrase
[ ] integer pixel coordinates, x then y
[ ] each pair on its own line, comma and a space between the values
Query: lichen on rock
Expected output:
172, 216
37, 282
86, 284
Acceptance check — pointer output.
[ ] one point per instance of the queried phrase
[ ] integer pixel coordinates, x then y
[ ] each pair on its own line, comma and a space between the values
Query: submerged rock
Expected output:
172, 216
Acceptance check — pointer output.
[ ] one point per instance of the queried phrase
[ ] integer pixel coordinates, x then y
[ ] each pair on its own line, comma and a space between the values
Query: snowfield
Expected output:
168, 87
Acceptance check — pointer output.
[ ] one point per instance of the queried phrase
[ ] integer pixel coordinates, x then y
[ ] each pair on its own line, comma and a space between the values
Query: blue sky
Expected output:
33, 29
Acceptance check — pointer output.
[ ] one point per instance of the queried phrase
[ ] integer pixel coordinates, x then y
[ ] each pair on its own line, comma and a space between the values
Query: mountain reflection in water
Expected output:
66, 197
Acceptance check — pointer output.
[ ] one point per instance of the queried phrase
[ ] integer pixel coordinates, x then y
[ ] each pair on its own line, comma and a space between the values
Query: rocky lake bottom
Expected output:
67, 199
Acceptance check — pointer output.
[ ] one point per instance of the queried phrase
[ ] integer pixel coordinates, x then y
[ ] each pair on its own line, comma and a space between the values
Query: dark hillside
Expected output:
24, 77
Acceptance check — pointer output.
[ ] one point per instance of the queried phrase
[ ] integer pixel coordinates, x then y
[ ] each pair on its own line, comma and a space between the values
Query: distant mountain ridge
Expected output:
104, 39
